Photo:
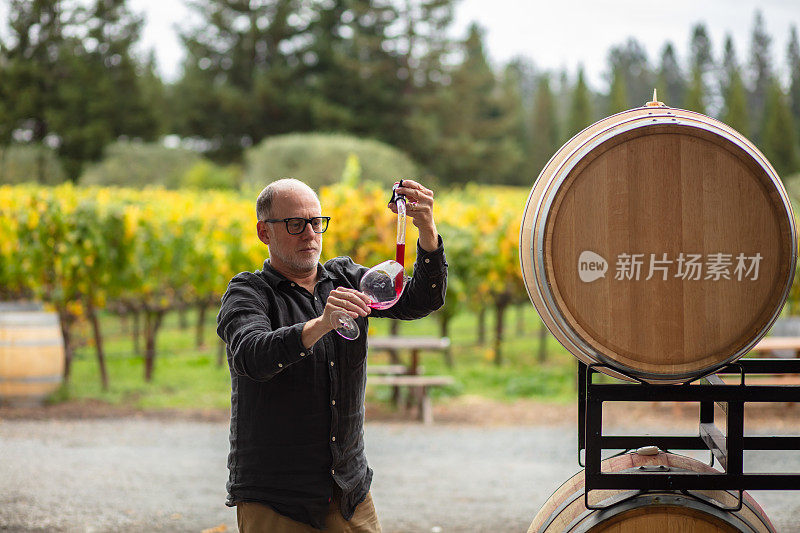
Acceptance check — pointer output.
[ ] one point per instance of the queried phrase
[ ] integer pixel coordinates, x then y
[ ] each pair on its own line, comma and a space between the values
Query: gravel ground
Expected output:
145, 474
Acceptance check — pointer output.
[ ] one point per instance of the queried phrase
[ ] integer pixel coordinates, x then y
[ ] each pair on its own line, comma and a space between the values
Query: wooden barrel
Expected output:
31, 353
659, 242
662, 511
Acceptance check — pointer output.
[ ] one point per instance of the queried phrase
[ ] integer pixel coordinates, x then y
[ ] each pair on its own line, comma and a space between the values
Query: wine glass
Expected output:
383, 284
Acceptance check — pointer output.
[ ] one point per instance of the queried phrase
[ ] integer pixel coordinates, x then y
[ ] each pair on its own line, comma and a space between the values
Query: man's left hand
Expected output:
419, 206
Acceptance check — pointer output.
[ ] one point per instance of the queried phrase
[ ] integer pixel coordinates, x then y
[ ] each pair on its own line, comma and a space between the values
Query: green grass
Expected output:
188, 377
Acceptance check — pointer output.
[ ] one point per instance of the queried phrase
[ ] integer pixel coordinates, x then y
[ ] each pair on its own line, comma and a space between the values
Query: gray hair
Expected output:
267, 195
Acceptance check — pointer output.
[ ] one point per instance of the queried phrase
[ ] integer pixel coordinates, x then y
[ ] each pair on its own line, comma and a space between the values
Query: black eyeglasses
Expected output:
297, 225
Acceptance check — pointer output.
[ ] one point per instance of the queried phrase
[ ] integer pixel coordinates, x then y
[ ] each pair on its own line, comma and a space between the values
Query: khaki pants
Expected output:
257, 518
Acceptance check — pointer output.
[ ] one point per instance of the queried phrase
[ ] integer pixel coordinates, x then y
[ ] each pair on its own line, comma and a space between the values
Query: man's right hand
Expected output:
351, 301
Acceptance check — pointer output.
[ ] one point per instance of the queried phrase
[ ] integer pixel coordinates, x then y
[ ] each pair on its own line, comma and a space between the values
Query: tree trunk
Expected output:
482, 326
542, 343
124, 324
521, 319
200, 340
136, 332
183, 322
65, 320
444, 331
501, 302
394, 330
152, 323
98, 344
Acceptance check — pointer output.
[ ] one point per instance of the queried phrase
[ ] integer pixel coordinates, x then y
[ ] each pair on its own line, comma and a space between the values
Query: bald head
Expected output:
272, 193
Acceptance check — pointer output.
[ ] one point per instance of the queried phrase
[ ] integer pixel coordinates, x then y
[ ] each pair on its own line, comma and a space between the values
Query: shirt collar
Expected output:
275, 278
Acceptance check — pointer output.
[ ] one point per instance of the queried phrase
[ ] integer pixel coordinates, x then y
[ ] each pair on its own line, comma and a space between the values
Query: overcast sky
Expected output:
557, 33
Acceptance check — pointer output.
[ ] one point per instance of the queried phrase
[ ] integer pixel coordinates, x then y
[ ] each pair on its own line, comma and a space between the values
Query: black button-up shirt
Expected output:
297, 413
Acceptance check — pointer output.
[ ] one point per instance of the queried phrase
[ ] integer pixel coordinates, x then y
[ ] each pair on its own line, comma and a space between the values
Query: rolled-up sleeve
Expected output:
255, 349
425, 291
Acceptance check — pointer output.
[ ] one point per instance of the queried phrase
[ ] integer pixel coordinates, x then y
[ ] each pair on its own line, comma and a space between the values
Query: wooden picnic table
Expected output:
410, 375
772, 343
414, 344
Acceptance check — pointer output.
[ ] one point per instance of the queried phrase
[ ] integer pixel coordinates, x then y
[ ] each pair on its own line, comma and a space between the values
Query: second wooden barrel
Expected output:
31, 353
661, 511
659, 242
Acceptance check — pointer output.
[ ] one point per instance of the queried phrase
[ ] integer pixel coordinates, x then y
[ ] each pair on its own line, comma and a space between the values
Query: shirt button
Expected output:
331, 363
333, 402
427, 260
333, 439
433, 286
333, 471
302, 354
293, 285
280, 365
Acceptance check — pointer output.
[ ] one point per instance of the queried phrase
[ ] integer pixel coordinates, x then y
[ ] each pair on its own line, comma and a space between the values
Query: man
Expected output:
297, 458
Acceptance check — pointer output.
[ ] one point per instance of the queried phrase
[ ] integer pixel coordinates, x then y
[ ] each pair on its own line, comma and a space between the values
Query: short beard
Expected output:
296, 263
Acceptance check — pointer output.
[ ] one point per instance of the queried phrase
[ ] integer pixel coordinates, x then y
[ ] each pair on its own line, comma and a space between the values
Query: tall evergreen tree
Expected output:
779, 142
618, 100
630, 60
469, 123
793, 59
105, 100
701, 62
241, 72
544, 121
423, 46
734, 111
257, 69
511, 95
671, 83
69, 79
29, 71
760, 73
580, 111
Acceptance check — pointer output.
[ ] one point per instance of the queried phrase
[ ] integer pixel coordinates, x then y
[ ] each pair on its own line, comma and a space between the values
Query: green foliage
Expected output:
580, 111
671, 83
137, 165
351, 175
632, 80
67, 74
206, 175
793, 62
779, 142
320, 159
544, 127
618, 100
760, 71
252, 71
734, 112
466, 130
701, 63
28, 163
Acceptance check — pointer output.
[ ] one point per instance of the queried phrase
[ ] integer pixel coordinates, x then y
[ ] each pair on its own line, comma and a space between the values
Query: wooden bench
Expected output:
409, 376
387, 370
418, 388
414, 344
770, 345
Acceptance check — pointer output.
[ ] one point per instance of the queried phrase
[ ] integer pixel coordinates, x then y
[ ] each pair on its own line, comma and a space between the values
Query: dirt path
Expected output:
483, 466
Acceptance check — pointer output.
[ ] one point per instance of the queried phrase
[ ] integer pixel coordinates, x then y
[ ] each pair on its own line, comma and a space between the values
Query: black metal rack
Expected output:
728, 448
